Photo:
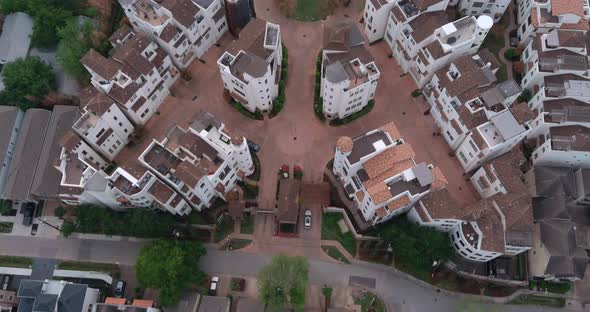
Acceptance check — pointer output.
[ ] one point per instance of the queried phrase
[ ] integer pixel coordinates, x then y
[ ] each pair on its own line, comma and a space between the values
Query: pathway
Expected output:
511, 11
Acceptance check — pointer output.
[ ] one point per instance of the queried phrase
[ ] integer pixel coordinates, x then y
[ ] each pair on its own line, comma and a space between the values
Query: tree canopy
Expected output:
48, 16
171, 267
415, 244
26, 81
75, 39
283, 282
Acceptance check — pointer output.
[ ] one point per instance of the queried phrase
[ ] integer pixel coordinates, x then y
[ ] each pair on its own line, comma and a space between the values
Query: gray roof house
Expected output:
15, 39
560, 209
46, 296
10, 122
46, 181
26, 155
214, 304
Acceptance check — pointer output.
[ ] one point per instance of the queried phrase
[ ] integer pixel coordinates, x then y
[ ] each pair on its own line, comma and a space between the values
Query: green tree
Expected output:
283, 282
75, 39
171, 267
67, 228
26, 81
327, 292
416, 246
47, 20
60, 212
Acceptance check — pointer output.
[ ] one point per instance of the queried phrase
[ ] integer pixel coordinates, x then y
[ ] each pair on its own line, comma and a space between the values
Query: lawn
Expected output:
15, 262
109, 268
493, 42
196, 218
334, 253
6, 227
331, 231
247, 225
224, 228
308, 10
539, 300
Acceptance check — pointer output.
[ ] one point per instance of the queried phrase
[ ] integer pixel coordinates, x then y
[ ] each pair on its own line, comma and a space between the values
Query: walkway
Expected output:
511, 11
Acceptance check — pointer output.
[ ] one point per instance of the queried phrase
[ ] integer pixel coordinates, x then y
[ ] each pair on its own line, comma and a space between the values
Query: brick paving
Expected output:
296, 136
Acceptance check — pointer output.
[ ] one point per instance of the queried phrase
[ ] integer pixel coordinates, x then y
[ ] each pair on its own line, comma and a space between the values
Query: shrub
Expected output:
354, 116
416, 93
318, 102
60, 212
525, 96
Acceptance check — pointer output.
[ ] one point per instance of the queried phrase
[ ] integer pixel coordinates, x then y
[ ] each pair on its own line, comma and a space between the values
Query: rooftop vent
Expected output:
451, 40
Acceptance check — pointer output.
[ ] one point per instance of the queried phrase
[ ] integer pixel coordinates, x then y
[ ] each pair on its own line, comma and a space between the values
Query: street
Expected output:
400, 292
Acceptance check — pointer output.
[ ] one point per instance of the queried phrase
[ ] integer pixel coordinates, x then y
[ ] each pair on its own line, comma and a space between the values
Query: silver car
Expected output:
307, 219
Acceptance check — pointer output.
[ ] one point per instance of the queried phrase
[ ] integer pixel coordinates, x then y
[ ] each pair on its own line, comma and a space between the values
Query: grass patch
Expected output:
370, 302
502, 73
236, 244
307, 10
15, 262
539, 300
195, 218
250, 191
367, 109
334, 253
331, 231
244, 111
109, 268
494, 42
6, 227
224, 228
247, 225
553, 287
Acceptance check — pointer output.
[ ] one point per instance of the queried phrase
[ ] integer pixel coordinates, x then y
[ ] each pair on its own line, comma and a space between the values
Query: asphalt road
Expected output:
398, 291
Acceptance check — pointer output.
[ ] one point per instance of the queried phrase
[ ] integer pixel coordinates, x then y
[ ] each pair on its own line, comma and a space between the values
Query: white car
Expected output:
213, 287
307, 219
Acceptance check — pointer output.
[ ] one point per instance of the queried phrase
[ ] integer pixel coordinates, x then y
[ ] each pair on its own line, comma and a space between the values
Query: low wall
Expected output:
84, 274
16, 271
486, 278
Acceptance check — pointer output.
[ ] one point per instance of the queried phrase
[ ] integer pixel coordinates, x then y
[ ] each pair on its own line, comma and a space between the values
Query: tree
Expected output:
67, 228
47, 20
171, 267
75, 39
327, 292
283, 281
5, 206
26, 81
60, 212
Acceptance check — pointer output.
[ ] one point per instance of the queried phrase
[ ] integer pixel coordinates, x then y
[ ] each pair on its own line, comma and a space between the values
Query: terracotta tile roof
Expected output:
161, 192
581, 25
360, 195
398, 203
168, 32
392, 130
440, 204
440, 181
568, 38
424, 4
469, 119
490, 224
488, 57
456, 126
377, 188
534, 17
100, 104
426, 23
120, 34
184, 11
398, 14
115, 301
385, 159
471, 76
143, 303
559, 7
508, 168
479, 140
87, 94
522, 113
381, 212
436, 50
101, 65
344, 144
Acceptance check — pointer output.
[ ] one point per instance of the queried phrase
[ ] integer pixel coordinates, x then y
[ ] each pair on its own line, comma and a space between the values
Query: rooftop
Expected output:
568, 138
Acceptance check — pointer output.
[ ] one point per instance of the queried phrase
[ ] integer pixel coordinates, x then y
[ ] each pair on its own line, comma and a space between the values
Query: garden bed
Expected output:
255, 176
15, 262
244, 111
318, 102
6, 227
279, 102
367, 109
334, 253
237, 284
369, 302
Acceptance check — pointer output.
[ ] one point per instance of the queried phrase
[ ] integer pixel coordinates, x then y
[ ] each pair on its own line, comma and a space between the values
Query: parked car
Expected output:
307, 219
120, 289
34, 229
213, 287
253, 146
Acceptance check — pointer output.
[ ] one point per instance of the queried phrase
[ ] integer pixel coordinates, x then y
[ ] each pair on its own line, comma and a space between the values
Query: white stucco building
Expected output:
185, 29
476, 115
501, 223
251, 66
137, 76
103, 125
378, 172
492, 8
349, 74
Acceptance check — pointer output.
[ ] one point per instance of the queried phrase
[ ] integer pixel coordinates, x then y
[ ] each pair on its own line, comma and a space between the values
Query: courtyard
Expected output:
296, 135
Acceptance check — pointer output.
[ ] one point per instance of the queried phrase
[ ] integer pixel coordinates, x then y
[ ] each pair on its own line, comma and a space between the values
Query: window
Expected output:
477, 4
463, 157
